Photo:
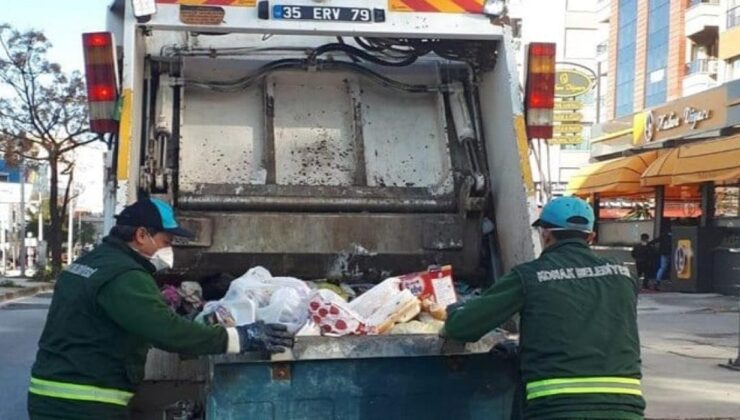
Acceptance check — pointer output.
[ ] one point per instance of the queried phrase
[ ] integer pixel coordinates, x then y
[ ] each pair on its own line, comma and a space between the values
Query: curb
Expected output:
25, 292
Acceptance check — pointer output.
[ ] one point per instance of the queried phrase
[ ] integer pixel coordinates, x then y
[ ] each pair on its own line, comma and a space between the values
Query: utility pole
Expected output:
41, 218
22, 253
734, 364
70, 229
598, 92
109, 194
2, 244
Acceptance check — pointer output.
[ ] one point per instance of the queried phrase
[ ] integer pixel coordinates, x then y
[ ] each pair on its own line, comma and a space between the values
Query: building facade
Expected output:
661, 50
667, 153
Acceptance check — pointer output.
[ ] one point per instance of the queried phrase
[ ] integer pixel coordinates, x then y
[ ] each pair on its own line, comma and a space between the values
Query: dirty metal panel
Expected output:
471, 386
363, 346
313, 129
347, 246
307, 198
446, 234
221, 133
197, 264
201, 227
405, 140
268, 232
221, 138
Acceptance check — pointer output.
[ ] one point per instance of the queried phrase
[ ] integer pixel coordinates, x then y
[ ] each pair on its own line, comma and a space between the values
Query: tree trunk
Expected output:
55, 231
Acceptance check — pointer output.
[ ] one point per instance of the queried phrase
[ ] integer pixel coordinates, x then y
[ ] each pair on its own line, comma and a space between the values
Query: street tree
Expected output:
43, 117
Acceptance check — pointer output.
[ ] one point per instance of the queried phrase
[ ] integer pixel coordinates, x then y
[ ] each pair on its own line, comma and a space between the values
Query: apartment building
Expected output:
661, 50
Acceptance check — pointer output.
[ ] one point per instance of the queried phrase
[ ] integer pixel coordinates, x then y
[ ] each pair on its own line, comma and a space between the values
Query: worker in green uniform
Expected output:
579, 349
107, 312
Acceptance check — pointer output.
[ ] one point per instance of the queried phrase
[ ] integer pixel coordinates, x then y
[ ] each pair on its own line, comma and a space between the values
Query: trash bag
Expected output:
258, 296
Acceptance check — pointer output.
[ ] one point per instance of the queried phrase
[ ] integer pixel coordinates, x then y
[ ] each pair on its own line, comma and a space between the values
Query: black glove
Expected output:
273, 338
507, 349
455, 306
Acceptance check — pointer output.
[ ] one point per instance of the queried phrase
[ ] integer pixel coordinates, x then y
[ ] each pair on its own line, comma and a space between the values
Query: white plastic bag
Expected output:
257, 296
287, 306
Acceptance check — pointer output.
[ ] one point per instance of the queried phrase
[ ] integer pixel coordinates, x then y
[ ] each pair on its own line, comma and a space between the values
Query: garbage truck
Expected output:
349, 140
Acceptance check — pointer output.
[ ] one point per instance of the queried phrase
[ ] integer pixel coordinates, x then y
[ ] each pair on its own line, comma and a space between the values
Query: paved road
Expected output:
21, 322
684, 337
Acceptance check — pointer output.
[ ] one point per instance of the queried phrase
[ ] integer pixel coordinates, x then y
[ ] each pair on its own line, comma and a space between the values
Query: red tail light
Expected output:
97, 40
101, 94
101, 76
540, 90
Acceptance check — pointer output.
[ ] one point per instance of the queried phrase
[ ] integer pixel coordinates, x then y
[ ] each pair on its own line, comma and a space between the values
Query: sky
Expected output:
63, 22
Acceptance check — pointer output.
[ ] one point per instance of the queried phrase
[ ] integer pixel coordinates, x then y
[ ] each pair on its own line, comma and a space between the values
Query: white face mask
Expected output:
163, 259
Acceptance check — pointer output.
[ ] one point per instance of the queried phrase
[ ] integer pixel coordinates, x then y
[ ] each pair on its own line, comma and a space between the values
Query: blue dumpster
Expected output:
369, 377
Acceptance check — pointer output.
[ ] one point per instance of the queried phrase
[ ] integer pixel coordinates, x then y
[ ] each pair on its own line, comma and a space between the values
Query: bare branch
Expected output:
76, 145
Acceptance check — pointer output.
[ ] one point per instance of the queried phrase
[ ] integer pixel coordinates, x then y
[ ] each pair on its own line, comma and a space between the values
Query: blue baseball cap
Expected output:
154, 214
567, 213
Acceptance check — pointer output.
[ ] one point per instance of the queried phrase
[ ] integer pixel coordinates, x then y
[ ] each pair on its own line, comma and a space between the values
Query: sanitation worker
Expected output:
107, 312
579, 350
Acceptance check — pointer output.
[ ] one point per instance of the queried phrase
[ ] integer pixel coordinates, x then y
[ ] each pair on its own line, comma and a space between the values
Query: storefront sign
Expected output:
566, 139
572, 82
567, 116
684, 117
567, 128
562, 105
690, 118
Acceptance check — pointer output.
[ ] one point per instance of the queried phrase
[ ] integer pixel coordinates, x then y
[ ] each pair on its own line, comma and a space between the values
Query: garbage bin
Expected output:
727, 270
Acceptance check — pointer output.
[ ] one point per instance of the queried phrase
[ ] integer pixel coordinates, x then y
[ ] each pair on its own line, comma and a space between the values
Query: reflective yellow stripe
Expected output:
587, 390
590, 385
610, 379
79, 392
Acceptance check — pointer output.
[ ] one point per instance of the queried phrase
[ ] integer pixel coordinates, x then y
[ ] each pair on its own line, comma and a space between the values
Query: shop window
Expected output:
727, 201
4, 177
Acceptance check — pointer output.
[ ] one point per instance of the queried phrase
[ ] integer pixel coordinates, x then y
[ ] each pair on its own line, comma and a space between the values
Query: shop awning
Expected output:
616, 177
717, 160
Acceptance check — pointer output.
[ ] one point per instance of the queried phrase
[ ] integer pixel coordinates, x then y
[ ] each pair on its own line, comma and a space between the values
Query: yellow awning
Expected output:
717, 160
614, 177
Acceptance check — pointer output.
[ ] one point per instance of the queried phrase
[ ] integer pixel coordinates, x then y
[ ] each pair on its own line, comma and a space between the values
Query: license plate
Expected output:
334, 14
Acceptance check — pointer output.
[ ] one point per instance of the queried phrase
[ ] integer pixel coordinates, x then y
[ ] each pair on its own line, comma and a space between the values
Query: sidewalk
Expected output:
684, 338
13, 286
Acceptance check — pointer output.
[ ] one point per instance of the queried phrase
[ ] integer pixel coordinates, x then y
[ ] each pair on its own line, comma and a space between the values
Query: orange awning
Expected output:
717, 161
616, 177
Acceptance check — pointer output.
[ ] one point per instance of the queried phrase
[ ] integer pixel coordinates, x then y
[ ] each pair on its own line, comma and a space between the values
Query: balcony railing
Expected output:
702, 66
693, 3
